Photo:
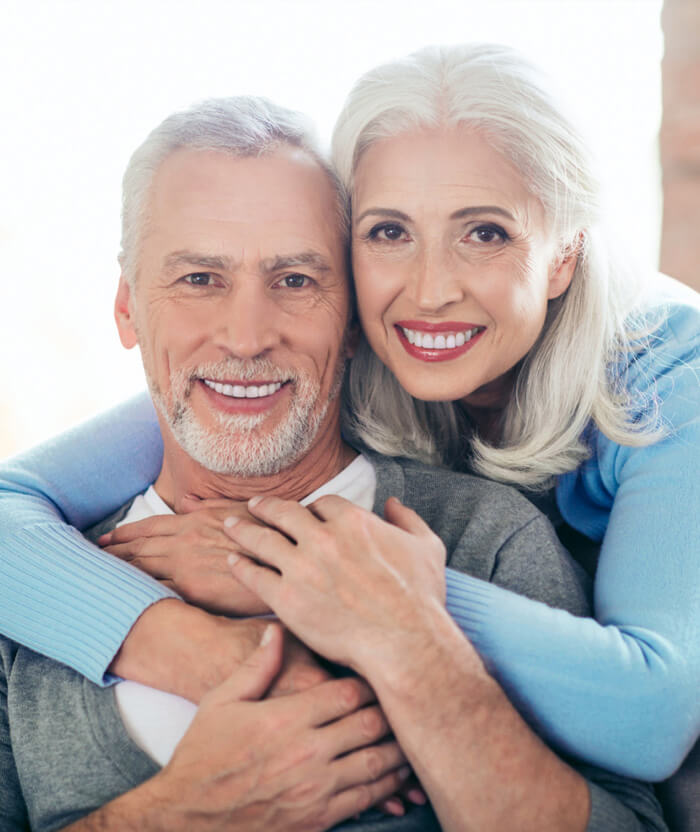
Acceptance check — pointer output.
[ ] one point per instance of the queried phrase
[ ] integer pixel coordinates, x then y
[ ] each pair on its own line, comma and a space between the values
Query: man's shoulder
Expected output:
108, 523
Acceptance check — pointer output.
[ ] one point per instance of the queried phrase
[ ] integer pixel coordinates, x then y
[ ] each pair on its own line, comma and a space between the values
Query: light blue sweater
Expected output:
621, 691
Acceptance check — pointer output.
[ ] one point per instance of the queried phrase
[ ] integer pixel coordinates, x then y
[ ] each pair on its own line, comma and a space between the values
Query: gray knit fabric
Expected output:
64, 750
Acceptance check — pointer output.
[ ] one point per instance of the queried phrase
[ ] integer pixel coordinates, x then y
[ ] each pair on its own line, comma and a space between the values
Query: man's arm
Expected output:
305, 761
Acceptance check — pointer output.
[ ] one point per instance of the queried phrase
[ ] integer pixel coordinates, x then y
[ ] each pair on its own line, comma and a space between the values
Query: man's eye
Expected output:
294, 281
488, 234
199, 279
386, 232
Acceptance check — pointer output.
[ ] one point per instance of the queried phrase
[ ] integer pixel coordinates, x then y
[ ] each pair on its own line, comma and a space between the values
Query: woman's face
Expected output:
453, 263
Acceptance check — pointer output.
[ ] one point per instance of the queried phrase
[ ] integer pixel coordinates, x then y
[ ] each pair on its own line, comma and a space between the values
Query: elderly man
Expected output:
235, 289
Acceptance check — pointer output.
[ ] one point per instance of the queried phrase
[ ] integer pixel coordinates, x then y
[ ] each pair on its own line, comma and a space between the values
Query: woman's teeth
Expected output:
240, 391
442, 341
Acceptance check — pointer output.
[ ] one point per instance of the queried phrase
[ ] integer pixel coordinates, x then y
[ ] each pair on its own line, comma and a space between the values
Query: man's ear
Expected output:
124, 315
562, 271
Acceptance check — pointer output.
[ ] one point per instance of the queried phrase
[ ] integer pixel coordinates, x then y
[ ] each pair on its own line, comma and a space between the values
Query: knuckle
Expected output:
373, 762
348, 694
373, 723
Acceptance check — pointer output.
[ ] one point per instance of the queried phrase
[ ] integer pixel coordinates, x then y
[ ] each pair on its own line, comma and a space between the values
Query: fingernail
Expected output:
231, 559
404, 772
231, 520
104, 538
254, 501
417, 796
267, 635
394, 806
192, 497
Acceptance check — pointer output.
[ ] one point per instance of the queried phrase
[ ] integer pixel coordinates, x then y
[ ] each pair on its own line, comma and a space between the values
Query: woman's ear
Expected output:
124, 315
562, 271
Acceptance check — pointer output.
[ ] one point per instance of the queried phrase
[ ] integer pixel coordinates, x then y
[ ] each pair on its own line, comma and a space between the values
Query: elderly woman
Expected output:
509, 343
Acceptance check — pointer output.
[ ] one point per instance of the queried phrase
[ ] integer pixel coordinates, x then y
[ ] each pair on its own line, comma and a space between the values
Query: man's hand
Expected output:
336, 569
188, 553
306, 761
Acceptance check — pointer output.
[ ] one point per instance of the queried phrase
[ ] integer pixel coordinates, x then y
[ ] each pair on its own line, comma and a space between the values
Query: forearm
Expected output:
481, 765
181, 649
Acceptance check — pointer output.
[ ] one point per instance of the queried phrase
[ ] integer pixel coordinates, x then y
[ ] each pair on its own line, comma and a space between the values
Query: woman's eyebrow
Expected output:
392, 213
480, 209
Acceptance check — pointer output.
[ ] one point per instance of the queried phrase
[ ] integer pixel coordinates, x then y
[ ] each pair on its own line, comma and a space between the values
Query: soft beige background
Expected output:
82, 83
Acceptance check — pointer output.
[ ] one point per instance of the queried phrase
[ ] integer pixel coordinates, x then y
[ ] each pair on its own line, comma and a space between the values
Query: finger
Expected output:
250, 680
364, 727
162, 525
392, 806
331, 506
334, 700
405, 518
367, 764
261, 581
157, 565
288, 516
264, 543
357, 799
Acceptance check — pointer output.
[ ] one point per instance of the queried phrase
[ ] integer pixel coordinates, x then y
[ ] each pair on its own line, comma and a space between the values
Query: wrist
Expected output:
181, 649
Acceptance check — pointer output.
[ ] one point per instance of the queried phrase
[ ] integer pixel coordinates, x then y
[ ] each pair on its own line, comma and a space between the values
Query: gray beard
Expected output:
241, 445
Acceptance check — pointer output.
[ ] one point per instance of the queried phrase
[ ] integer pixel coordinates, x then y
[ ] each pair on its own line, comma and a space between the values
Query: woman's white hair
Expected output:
239, 125
568, 378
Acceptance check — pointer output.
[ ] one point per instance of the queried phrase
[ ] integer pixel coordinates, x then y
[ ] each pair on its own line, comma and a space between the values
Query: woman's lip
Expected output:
443, 326
423, 354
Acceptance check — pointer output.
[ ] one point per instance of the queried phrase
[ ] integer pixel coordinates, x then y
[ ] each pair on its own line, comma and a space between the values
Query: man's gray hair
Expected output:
239, 125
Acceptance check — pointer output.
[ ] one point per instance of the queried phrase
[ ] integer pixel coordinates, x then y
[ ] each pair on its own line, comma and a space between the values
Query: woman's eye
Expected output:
386, 232
199, 279
294, 281
488, 234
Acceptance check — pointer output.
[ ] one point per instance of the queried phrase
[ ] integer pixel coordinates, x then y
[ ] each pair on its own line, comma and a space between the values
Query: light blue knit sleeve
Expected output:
621, 691
59, 594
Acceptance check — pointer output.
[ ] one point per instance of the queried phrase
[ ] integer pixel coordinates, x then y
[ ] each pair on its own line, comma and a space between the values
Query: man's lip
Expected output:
430, 354
443, 326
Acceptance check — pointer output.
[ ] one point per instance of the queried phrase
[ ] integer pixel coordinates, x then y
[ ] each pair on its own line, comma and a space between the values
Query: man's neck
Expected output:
181, 475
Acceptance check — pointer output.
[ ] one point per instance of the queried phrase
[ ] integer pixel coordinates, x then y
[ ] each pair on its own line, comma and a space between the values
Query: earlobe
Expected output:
124, 316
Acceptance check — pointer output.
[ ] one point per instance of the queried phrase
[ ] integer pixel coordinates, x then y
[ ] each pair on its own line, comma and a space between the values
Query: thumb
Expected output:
250, 680
396, 513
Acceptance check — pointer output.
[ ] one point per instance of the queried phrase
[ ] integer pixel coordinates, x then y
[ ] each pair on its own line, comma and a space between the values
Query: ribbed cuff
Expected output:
69, 600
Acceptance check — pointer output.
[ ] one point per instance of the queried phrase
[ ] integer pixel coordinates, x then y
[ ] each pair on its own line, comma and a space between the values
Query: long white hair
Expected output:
572, 374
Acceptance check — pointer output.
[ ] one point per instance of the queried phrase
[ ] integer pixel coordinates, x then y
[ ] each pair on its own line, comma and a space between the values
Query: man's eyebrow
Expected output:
310, 259
178, 259
462, 213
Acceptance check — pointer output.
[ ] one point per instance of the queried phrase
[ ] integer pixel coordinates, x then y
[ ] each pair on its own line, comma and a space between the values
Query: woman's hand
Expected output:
355, 588
188, 553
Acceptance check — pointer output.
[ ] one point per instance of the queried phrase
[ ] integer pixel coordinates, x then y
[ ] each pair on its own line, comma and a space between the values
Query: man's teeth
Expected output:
240, 391
443, 341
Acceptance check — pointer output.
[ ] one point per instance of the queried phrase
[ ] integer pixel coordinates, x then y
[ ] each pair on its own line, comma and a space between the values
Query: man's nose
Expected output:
247, 322
436, 281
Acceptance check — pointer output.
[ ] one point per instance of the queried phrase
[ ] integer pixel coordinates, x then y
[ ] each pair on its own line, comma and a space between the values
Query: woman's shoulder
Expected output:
664, 339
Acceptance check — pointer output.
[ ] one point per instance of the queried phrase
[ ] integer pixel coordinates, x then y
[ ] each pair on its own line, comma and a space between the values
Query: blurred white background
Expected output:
84, 81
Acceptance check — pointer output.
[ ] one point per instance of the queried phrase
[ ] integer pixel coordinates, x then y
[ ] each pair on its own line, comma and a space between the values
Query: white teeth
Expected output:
439, 342
240, 391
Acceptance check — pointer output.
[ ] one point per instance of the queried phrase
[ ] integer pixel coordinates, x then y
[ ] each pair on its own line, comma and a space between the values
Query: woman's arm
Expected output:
622, 691
59, 594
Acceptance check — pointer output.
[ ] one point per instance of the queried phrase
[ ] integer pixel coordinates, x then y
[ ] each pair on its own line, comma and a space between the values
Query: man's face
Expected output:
240, 307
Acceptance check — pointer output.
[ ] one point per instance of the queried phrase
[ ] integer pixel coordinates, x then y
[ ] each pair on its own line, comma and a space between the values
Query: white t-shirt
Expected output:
156, 720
